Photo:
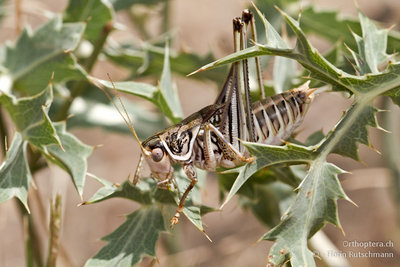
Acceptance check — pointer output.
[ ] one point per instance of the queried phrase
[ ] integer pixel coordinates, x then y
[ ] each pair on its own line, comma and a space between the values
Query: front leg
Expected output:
233, 151
192, 175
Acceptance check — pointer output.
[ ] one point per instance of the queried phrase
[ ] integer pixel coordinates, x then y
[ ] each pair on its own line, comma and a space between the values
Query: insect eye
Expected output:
157, 154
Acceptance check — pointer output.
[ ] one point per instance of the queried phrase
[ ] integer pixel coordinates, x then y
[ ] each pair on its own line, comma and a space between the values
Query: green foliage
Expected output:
15, 175
72, 156
136, 237
148, 60
35, 56
29, 115
95, 13
143, 225
315, 202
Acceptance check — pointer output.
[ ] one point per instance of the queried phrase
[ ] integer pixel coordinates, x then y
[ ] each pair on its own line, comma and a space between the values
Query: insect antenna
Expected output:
125, 117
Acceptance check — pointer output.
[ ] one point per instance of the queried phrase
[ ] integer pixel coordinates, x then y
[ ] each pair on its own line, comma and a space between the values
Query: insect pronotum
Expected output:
212, 136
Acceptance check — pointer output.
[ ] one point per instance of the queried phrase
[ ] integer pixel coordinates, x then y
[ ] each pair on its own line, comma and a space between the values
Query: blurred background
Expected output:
204, 27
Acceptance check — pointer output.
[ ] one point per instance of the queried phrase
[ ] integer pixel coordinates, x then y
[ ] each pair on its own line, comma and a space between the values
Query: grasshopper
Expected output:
211, 137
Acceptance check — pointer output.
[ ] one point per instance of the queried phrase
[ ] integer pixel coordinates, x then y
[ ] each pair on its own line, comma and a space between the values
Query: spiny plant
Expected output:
44, 73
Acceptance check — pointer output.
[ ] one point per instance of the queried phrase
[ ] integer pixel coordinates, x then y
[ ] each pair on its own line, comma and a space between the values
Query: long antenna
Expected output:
126, 118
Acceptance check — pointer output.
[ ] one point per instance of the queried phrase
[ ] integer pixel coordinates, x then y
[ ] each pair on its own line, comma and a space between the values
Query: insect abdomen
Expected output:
276, 117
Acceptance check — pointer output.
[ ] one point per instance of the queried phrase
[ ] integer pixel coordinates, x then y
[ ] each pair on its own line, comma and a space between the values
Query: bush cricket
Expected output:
211, 137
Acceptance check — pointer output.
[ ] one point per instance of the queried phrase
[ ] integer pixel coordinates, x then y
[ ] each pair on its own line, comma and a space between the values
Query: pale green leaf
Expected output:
266, 155
357, 134
29, 115
374, 42
147, 193
148, 60
394, 95
15, 175
141, 193
143, 90
88, 111
333, 27
272, 37
132, 240
96, 13
169, 90
72, 157
359, 58
283, 73
315, 204
37, 55
319, 67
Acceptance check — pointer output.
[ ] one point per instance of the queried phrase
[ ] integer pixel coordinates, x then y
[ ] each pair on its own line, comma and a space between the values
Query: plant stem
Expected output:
32, 245
55, 226
166, 21
392, 149
18, 16
80, 86
3, 133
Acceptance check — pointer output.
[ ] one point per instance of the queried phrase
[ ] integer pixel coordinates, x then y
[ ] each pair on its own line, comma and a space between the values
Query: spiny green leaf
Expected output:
168, 89
266, 155
37, 55
73, 156
374, 42
148, 61
272, 37
141, 193
334, 27
358, 133
15, 175
96, 13
146, 191
319, 67
132, 240
394, 95
29, 115
315, 204
160, 202
63, 66
359, 58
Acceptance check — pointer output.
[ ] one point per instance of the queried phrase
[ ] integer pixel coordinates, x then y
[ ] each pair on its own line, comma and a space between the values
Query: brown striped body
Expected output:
275, 118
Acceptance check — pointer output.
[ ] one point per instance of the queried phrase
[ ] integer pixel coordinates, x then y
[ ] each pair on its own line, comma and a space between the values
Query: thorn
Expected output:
196, 71
374, 149
98, 146
341, 229
51, 78
69, 116
204, 233
357, 5
351, 201
82, 204
88, 19
34, 184
5, 144
383, 129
